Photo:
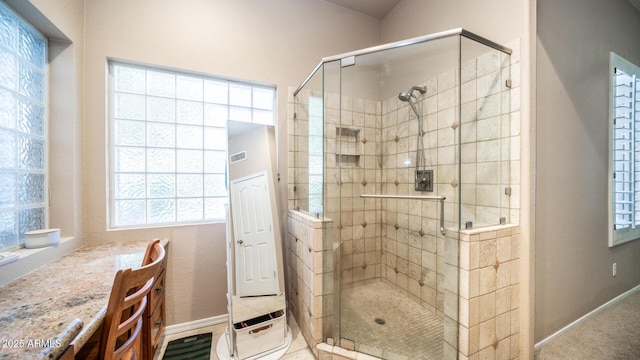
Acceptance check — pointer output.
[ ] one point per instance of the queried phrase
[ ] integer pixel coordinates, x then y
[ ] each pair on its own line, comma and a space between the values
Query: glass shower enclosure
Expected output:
398, 147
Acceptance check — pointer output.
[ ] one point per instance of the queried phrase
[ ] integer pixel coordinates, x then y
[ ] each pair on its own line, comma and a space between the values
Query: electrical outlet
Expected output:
615, 269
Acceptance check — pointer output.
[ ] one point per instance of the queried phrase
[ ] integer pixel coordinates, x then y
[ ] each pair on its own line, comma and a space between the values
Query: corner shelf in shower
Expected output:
349, 146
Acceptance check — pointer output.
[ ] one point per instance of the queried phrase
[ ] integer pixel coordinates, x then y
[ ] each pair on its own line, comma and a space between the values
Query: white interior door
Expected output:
255, 256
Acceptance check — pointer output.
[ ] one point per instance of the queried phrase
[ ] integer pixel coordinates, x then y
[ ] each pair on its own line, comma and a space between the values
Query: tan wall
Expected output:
498, 20
573, 262
276, 42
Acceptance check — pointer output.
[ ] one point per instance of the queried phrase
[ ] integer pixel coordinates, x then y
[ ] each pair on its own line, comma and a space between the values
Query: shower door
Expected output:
395, 267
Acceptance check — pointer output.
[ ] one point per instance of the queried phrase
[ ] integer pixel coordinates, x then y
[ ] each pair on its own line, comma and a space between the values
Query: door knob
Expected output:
240, 241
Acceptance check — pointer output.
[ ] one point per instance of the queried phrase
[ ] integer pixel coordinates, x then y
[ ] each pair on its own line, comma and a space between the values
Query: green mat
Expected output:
197, 347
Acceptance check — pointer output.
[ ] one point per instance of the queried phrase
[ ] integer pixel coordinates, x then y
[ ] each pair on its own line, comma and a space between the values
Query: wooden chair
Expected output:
123, 319
151, 254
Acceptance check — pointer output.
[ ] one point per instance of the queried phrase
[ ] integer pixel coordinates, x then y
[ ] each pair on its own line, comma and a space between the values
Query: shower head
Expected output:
405, 96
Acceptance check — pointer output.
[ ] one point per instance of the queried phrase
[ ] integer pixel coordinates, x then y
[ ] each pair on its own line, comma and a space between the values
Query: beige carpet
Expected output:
611, 334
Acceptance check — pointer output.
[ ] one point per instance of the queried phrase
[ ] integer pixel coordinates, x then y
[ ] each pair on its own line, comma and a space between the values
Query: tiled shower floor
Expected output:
408, 332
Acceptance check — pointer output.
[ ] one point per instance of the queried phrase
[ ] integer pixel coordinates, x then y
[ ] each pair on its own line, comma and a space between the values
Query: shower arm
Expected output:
441, 199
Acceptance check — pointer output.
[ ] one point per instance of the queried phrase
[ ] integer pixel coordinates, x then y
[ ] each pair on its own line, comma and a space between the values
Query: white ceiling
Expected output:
376, 8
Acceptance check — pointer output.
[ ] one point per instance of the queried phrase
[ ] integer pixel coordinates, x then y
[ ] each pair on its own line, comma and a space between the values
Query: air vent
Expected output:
238, 157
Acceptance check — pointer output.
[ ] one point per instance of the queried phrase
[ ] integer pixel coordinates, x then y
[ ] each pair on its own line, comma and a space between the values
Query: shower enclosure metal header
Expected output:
401, 43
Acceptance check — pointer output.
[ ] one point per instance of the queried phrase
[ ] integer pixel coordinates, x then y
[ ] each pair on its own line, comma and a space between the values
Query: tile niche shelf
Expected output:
350, 146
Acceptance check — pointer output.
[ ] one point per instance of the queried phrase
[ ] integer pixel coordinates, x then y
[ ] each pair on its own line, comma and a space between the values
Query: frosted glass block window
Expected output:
168, 143
23, 124
316, 148
625, 150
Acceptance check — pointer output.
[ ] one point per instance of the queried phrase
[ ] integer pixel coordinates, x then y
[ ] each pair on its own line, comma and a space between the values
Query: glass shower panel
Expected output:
391, 250
316, 187
485, 135
308, 145
332, 210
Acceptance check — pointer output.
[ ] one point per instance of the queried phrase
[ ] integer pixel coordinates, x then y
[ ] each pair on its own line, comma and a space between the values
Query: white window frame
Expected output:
622, 234
252, 117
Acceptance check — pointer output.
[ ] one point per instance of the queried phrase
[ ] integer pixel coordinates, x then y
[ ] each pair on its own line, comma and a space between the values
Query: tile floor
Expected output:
297, 351
408, 329
388, 325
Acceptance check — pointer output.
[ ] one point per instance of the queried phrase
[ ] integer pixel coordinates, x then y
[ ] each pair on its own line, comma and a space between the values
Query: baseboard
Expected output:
543, 342
194, 325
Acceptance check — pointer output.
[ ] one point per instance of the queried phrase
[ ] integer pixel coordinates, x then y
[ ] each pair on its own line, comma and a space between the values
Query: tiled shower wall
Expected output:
489, 300
414, 254
413, 250
352, 133
309, 274
353, 130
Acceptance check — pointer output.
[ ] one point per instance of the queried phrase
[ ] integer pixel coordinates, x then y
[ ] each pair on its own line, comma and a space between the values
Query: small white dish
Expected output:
41, 238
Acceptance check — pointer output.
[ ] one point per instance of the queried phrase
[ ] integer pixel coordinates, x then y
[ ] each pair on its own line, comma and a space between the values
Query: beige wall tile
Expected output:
503, 276
503, 326
487, 333
474, 311
487, 307
503, 300
474, 339
487, 280
488, 353
503, 351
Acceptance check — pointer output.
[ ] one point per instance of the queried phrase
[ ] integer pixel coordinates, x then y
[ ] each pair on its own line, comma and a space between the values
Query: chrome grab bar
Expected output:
441, 199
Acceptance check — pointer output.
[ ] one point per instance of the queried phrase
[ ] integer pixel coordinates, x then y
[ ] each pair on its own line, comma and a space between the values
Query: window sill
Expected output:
161, 226
25, 253
31, 259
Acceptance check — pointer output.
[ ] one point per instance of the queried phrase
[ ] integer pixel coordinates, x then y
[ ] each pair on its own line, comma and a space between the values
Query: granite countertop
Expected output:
37, 307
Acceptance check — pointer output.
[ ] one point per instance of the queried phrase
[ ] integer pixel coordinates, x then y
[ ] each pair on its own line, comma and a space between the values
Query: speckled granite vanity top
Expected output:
38, 306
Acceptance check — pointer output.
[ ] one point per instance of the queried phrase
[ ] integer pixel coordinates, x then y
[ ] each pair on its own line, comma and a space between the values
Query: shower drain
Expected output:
380, 321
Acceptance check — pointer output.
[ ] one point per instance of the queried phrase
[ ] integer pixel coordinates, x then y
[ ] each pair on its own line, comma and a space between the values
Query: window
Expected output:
23, 129
169, 142
316, 156
625, 150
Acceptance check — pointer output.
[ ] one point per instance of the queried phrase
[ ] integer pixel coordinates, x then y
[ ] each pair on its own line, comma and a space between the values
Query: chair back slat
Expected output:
123, 319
